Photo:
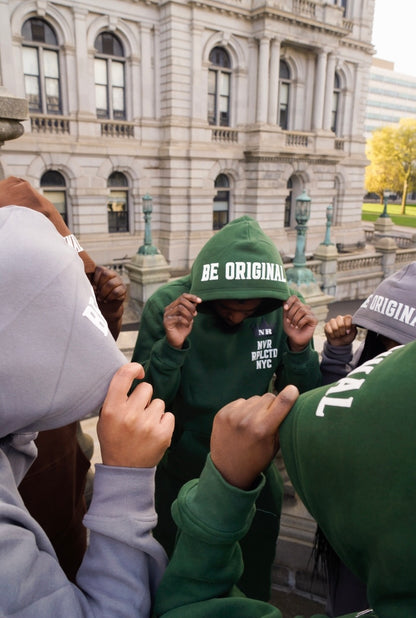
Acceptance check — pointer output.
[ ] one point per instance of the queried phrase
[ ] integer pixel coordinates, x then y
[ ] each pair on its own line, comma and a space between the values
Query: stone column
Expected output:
318, 104
263, 80
83, 63
274, 81
147, 85
198, 86
329, 89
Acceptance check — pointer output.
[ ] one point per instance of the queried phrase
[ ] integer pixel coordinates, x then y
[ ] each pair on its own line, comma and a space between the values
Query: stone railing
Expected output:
339, 144
224, 134
56, 125
110, 128
297, 139
304, 7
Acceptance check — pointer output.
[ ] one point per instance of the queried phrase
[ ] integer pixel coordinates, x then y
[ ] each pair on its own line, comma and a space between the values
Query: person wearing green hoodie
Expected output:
349, 449
226, 330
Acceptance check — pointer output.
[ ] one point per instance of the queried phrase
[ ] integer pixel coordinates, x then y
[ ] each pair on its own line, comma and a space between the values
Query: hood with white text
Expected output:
350, 452
391, 309
240, 262
58, 356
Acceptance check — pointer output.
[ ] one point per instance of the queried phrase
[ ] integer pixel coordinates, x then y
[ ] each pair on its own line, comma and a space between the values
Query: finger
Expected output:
192, 298
121, 383
279, 407
290, 301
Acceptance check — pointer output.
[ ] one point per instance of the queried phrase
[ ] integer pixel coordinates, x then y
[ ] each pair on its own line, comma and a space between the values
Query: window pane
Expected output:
211, 109
52, 178
212, 82
58, 199
118, 99
224, 84
219, 219
52, 88
100, 69
31, 86
219, 205
101, 101
50, 63
30, 61
284, 94
117, 212
117, 179
32, 93
117, 74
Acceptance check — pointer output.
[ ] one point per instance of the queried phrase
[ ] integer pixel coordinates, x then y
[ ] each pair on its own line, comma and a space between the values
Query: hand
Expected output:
340, 330
110, 293
245, 438
299, 323
179, 317
108, 286
134, 431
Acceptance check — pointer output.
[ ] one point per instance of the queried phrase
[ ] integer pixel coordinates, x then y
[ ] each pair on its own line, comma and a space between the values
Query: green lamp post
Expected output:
147, 248
299, 274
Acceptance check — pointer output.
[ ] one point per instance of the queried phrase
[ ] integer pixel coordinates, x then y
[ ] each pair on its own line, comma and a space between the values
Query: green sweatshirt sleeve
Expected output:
162, 363
299, 368
200, 579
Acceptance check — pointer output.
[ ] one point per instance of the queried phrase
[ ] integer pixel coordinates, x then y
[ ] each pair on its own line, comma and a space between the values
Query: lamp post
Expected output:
299, 274
385, 199
329, 216
147, 207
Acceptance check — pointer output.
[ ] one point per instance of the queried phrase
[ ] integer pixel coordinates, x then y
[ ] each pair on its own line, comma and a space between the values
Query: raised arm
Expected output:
123, 563
201, 576
337, 352
162, 345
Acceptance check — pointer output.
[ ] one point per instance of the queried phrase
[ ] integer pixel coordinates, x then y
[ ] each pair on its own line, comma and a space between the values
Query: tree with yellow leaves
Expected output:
392, 154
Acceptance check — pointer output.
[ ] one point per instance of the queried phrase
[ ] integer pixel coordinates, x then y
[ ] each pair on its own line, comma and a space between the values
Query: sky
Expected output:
394, 33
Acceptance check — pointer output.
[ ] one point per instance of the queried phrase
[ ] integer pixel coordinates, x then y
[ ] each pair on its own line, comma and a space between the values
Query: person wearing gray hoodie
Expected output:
59, 364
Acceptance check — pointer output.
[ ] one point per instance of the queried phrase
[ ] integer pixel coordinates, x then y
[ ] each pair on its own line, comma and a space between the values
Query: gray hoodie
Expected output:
57, 361
390, 311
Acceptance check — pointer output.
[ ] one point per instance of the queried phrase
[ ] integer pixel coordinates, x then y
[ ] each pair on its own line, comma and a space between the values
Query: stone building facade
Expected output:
216, 108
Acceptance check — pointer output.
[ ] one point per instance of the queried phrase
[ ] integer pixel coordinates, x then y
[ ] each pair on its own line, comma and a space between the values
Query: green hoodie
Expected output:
218, 364
350, 452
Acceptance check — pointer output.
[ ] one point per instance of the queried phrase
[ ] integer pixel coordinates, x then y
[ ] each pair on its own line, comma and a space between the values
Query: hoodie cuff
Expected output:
225, 519
168, 355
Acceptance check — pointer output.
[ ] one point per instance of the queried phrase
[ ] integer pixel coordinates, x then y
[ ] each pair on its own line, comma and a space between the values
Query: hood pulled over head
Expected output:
391, 309
58, 356
349, 450
240, 262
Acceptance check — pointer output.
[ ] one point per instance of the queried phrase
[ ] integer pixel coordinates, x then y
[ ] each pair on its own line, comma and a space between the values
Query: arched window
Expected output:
41, 67
344, 6
284, 94
221, 208
118, 203
219, 87
288, 204
109, 67
336, 97
54, 188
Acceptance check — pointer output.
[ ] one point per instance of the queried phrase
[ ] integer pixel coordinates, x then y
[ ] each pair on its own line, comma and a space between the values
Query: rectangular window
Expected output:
284, 106
118, 216
212, 88
224, 99
101, 88
117, 80
32, 85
